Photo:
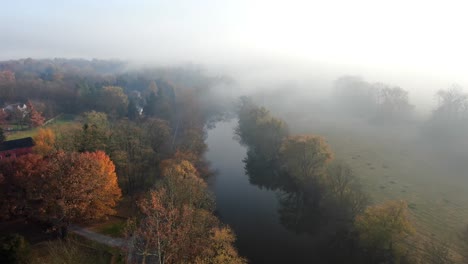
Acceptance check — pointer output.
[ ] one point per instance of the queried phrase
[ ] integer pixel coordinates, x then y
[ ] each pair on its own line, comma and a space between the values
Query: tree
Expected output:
392, 103
161, 104
344, 190
68, 187
158, 133
450, 118
3, 116
133, 156
220, 249
166, 233
452, 104
305, 157
355, 95
184, 186
2, 136
113, 101
382, 228
19, 116
260, 131
35, 118
94, 134
44, 142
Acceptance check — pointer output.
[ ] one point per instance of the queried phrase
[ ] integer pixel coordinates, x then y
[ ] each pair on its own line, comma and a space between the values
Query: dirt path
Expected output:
100, 238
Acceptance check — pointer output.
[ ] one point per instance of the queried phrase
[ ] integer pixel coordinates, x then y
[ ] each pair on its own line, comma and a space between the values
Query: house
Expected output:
16, 148
23, 108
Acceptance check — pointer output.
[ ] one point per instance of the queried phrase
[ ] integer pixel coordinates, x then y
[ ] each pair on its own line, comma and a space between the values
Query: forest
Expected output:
128, 144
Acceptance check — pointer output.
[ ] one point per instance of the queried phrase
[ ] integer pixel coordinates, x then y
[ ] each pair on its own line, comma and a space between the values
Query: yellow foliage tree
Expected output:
384, 226
220, 249
44, 142
183, 185
305, 157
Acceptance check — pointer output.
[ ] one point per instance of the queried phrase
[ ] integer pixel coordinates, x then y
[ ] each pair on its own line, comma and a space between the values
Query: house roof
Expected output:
17, 143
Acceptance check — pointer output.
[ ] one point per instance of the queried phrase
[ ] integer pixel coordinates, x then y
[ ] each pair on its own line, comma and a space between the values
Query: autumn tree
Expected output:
3, 116
34, 117
68, 187
259, 130
184, 185
305, 157
158, 135
133, 156
44, 142
113, 101
220, 249
168, 233
177, 224
161, 104
383, 228
94, 134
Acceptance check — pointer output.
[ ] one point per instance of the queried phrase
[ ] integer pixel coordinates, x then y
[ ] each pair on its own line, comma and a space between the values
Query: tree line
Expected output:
139, 136
322, 197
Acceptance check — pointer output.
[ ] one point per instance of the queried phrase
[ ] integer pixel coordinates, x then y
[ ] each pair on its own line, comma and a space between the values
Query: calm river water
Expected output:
251, 211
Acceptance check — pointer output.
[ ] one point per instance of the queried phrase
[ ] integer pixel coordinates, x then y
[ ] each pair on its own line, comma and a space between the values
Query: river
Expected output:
251, 211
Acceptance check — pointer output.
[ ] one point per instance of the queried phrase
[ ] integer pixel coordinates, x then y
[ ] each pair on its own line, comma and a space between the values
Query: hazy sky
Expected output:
419, 36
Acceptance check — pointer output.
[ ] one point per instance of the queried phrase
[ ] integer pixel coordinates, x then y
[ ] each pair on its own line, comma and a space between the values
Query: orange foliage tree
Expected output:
179, 234
35, 118
177, 224
68, 187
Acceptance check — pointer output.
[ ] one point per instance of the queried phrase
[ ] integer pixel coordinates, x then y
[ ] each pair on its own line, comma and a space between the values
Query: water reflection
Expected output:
323, 212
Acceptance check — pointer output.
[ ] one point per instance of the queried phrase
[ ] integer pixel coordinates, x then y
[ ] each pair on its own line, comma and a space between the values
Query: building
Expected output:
16, 148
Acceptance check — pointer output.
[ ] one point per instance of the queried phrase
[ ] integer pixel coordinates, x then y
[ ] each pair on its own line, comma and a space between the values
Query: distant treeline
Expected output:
381, 103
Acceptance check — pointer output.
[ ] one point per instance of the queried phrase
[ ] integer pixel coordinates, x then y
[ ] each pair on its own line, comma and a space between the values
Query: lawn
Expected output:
61, 120
114, 226
397, 165
77, 250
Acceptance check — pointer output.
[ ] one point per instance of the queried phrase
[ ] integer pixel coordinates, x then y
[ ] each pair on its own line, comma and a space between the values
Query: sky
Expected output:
423, 37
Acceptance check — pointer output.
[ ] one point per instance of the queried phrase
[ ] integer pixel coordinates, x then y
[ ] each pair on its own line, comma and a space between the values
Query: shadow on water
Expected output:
278, 219
304, 208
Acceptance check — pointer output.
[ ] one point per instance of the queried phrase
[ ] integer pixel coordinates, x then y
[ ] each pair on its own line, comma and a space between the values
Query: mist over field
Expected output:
321, 119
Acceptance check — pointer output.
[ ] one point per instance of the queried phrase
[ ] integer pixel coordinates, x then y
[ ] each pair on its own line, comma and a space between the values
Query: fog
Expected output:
395, 38
420, 46
331, 68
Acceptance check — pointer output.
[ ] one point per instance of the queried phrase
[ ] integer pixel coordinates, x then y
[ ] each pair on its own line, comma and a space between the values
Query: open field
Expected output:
75, 250
398, 165
61, 120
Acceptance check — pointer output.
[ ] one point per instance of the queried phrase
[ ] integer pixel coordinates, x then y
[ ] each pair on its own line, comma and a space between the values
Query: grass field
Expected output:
114, 227
75, 249
395, 165
61, 120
